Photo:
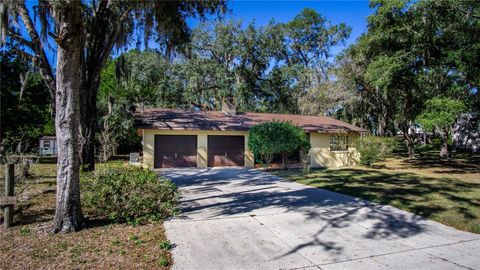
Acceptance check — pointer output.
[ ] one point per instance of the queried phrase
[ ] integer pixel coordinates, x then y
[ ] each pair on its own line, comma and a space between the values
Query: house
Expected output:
466, 133
47, 145
175, 138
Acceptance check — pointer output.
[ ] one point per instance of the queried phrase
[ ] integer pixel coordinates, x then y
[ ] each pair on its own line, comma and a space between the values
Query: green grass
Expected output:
436, 196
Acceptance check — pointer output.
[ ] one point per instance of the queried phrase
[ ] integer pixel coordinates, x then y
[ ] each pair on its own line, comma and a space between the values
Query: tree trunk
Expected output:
382, 125
98, 46
409, 142
444, 146
88, 120
284, 161
68, 214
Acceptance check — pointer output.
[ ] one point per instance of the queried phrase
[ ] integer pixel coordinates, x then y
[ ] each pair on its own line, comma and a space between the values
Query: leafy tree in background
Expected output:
271, 138
135, 78
439, 115
114, 112
146, 78
263, 68
25, 112
412, 51
301, 49
224, 61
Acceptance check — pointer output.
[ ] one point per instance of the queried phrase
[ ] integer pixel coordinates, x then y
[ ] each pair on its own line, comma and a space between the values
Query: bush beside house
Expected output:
372, 149
270, 138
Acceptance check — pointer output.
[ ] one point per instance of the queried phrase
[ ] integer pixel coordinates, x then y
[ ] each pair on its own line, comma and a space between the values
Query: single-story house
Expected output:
176, 138
47, 145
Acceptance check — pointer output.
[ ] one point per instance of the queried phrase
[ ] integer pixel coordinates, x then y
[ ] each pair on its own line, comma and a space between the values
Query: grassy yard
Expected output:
29, 245
444, 191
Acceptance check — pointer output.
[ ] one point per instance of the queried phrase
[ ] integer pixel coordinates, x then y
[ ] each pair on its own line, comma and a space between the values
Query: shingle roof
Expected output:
168, 119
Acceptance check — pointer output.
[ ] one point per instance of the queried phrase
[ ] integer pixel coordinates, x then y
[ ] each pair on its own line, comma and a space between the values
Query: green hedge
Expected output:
373, 149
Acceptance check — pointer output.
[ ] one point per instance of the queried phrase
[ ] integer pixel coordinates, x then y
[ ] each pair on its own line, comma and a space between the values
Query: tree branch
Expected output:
20, 39
25, 55
40, 56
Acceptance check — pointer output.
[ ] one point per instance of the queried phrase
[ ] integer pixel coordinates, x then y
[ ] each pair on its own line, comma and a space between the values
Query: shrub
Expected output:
127, 194
274, 137
373, 149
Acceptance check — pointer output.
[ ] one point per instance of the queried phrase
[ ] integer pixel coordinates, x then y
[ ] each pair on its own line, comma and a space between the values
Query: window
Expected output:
338, 143
46, 143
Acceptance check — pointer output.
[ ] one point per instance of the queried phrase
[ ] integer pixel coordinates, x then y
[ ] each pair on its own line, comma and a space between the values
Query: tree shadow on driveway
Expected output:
234, 192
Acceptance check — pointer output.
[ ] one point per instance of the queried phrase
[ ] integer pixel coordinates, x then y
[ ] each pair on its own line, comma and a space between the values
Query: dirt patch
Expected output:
115, 246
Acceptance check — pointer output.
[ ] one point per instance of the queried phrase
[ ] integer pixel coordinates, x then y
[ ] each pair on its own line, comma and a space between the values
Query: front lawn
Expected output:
102, 245
444, 191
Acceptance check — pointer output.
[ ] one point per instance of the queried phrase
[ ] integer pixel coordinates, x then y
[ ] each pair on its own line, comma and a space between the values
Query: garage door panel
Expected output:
175, 151
226, 151
187, 160
166, 162
238, 159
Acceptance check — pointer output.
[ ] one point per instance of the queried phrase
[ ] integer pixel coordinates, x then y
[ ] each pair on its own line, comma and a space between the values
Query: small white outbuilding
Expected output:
47, 145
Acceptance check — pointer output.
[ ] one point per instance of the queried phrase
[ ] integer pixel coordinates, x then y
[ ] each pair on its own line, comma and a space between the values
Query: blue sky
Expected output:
353, 13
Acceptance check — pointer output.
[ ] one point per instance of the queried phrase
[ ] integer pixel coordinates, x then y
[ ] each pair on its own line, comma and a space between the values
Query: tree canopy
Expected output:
439, 115
25, 112
271, 68
411, 52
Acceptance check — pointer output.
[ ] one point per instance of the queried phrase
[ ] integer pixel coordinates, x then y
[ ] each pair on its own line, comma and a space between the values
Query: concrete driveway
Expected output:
238, 218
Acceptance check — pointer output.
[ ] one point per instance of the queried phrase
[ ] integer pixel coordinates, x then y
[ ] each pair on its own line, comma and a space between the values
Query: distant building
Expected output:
466, 133
47, 145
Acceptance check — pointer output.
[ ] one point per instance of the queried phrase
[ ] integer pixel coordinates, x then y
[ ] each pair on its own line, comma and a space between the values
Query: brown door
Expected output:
175, 151
226, 151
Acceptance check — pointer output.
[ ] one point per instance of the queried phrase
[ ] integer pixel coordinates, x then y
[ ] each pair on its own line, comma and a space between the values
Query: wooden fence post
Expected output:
9, 191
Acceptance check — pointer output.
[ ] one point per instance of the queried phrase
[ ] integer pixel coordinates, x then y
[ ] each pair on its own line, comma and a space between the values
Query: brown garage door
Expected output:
226, 151
175, 151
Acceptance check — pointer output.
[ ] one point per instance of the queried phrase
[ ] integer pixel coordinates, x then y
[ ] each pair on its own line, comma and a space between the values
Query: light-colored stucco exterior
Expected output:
202, 139
320, 154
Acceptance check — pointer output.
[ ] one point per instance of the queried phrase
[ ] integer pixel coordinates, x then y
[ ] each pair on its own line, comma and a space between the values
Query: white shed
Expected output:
48, 145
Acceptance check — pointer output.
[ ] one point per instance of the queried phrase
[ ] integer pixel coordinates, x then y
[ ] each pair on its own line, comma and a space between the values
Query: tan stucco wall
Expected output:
321, 156
202, 155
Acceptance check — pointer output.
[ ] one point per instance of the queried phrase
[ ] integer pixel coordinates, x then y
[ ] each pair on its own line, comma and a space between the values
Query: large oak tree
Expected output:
412, 51
85, 33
